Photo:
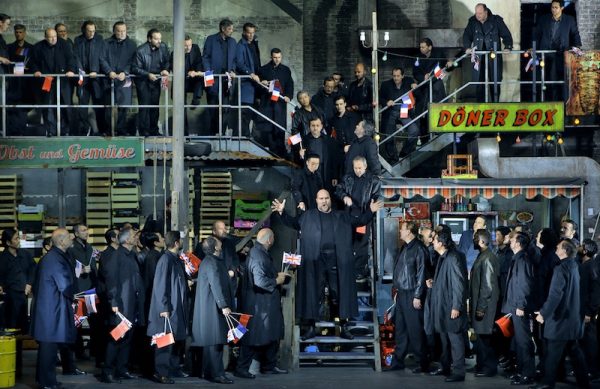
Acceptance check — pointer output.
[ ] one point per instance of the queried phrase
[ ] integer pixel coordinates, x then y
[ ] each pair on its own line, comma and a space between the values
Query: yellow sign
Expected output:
497, 117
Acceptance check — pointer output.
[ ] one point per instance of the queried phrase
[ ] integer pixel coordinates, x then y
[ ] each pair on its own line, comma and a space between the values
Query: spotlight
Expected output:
376, 137
560, 141
518, 140
373, 70
498, 138
493, 55
384, 58
526, 54
542, 63
548, 137
576, 121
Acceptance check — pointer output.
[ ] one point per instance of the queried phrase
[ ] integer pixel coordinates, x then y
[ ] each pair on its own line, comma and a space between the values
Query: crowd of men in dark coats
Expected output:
547, 286
141, 280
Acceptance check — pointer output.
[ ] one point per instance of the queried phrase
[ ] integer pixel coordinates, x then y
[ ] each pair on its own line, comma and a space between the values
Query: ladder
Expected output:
329, 348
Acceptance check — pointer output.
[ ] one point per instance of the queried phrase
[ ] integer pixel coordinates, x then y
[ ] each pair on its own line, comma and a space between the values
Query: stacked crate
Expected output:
11, 188
98, 207
125, 202
215, 200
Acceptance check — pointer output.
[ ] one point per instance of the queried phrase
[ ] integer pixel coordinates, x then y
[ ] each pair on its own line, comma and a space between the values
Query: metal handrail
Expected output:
166, 105
464, 86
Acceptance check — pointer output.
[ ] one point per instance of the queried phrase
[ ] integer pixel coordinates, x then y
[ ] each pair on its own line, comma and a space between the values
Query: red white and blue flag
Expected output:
409, 99
404, 111
439, 72
209, 78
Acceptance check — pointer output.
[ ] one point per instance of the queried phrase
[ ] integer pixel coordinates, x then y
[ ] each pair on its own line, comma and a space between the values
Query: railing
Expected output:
222, 105
487, 83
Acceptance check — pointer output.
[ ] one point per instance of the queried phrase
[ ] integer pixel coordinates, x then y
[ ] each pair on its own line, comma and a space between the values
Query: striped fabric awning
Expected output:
488, 193
487, 188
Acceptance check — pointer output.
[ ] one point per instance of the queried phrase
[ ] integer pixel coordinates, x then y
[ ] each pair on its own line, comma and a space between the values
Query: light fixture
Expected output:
576, 121
493, 55
548, 137
384, 58
386, 36
542, 63
498, 138
363, 36
560, 140
518, 140
377, 137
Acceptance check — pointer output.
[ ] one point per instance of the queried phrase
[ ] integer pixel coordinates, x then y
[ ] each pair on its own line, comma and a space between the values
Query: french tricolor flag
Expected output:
404, 111
409, 99
209, 78
275, 94
438, 72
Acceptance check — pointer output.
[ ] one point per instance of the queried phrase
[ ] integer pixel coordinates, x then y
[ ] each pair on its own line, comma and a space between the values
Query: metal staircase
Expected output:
329, 348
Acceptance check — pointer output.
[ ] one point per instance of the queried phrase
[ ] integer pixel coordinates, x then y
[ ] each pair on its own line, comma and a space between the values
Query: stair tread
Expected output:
351, 324
337, 355
337, 339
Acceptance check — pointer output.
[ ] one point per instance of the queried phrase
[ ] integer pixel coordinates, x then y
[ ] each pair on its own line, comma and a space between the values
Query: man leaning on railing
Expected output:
52, 56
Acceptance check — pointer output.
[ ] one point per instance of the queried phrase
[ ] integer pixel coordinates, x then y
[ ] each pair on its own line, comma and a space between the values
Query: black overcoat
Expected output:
520, 291
212, 295
308, 289
485, 291
450, 292
262, 299
52, 313
83, 252
125, 286
169, 294
561, 311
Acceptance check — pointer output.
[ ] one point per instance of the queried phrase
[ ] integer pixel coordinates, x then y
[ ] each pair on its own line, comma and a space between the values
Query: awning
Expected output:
485, 187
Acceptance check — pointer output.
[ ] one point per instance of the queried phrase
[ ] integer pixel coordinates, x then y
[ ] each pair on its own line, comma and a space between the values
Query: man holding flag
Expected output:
169, 302
267, 134
262, 300
396, 94
84, 256
52, 321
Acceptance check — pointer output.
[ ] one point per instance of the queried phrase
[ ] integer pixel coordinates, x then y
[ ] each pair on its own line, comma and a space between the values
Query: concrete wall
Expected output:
327, 40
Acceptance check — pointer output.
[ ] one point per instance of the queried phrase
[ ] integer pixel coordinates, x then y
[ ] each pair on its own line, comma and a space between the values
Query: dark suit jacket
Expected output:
212, 59
567, 31
63, 62
561, 311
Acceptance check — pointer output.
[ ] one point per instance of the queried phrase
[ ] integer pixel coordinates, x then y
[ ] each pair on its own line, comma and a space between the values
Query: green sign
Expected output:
71, 152
497, 117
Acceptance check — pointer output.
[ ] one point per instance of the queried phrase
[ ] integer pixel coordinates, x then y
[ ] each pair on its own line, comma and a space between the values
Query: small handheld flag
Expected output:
81, 74
404, 111
295, 139
409, 99
209, 78
78, 268
47, 85
292, 259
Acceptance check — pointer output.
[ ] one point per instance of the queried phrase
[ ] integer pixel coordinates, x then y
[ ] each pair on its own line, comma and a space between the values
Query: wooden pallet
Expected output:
215, 200
11, 189
125, 198
98, 200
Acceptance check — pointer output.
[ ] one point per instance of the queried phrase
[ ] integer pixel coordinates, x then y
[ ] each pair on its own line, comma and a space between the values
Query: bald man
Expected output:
327, 260
262, 299
53, 56
52, 319
360, 93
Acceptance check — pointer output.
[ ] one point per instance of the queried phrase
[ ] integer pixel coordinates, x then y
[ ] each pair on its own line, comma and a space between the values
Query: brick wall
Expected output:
588, 13
406, 14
